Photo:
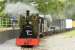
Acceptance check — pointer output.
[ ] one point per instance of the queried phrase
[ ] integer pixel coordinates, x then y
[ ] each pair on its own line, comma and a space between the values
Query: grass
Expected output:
70, 34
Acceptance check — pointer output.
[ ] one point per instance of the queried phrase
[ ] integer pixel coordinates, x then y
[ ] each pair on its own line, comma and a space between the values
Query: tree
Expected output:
70, 8
2, 7
42, 6
50, 6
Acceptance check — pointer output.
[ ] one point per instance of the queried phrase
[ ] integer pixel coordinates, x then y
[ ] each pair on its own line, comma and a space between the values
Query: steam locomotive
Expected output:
28, 36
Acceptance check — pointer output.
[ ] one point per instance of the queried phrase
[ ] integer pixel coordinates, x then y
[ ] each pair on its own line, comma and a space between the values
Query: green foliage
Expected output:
42, 6
2, 7
50, 6
73, 16
70, 5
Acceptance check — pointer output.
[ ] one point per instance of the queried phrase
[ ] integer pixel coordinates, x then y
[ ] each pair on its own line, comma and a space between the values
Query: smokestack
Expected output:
27, 16
27, 13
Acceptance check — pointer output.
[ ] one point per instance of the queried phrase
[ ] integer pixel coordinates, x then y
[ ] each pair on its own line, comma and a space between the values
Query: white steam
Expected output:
19, 8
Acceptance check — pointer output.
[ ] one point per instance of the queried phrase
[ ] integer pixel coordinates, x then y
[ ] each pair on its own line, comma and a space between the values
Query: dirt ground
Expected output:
54, 42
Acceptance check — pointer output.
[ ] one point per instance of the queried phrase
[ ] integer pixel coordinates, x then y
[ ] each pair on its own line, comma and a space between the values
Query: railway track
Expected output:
22, 48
